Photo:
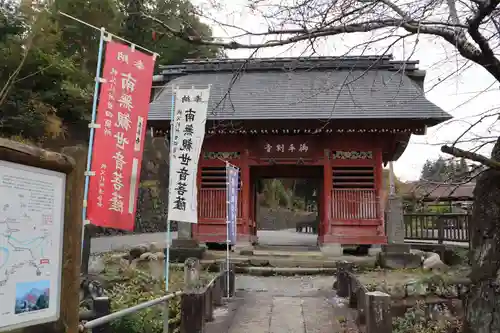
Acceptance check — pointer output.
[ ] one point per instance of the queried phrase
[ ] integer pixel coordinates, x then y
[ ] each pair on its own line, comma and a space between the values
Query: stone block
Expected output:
452, 257
396, 248
394, 222
259, 262
398, 260
137, 251
178, 254
185, 243
433, 262
374, 250
332, 250
378, 312
244, 248
246, 252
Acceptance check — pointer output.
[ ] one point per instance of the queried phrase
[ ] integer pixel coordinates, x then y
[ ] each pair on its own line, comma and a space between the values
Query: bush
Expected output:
138, 287
141, 287
420, 319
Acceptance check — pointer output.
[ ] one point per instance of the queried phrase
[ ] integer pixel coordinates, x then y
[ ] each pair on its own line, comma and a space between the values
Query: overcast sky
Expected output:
466, 94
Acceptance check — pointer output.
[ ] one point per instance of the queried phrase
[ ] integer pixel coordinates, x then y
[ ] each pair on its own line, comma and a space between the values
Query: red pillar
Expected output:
195, 227
245, 233
379, 192
326, 197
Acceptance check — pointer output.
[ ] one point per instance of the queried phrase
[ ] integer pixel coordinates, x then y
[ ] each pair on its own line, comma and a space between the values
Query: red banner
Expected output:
122, 114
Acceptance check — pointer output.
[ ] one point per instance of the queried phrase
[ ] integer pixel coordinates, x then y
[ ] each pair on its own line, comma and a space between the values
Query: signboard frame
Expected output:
56, 278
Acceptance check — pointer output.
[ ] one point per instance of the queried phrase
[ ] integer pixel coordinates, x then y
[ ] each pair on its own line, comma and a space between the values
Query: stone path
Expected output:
287, 305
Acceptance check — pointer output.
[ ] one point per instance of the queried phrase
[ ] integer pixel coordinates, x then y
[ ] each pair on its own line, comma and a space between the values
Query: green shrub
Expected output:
417, 320
139, 288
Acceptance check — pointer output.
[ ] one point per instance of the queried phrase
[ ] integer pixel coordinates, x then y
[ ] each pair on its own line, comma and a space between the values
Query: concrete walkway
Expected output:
287, 305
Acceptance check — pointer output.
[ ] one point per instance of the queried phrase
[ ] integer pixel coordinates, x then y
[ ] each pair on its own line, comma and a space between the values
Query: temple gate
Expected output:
277, 122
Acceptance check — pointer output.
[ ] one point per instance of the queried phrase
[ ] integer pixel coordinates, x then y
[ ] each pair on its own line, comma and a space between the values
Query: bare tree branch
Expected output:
452, 32
457, 152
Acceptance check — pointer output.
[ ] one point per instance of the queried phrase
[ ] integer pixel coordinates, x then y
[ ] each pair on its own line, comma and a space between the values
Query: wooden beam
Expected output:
21, 153
70, 282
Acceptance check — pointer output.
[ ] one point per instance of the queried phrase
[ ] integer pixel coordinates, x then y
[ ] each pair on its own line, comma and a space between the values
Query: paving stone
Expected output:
253, 316
319, 315
286, 315
278, 304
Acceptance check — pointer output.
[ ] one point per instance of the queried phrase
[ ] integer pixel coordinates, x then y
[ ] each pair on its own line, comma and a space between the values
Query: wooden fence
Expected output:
197, 305
447, 227
376, 309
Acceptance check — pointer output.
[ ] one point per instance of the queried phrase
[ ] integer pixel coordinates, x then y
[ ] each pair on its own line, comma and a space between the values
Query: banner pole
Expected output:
92, 126
169, 236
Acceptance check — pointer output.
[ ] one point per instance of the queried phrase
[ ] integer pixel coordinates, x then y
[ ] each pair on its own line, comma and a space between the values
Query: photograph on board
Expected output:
32, 296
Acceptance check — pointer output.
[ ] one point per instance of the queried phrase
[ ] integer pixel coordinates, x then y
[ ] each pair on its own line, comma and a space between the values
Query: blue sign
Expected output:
232, 174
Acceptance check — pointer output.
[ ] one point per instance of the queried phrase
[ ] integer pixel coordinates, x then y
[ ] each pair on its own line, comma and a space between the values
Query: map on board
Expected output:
31, 230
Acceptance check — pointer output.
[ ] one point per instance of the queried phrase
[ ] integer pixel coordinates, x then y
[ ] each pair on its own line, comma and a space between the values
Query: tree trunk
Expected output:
482, 308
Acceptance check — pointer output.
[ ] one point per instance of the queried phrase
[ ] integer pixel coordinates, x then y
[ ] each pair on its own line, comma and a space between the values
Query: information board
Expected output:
31, 242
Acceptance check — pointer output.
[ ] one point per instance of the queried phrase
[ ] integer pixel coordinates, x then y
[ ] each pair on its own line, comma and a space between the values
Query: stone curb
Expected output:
262, 266
284, 271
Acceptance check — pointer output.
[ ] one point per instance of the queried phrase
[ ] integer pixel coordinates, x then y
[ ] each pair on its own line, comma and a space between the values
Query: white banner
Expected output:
190, 117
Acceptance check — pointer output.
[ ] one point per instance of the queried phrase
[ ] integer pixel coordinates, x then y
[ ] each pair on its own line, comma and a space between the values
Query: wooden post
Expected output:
378, 312
217, 291
166, 316
353, 292
209, 314
440, 225
192, 313
353, 297
102, 307
70, 284
361, 304
87, 238
343, 278
32, 156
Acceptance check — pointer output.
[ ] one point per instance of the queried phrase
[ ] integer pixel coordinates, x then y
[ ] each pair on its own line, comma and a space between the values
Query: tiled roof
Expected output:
444, 191
274, 90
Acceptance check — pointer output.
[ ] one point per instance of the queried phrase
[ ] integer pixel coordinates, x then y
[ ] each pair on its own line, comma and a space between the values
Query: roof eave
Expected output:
431, 122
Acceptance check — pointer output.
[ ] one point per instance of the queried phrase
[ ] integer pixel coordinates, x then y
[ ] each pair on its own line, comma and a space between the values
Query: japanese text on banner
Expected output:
190, 116
118, 143
232, 174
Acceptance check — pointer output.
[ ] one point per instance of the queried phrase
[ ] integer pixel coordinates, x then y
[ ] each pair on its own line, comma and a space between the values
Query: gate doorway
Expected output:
286, 205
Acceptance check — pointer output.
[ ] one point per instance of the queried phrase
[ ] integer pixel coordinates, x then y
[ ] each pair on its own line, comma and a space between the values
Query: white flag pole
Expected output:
169, 236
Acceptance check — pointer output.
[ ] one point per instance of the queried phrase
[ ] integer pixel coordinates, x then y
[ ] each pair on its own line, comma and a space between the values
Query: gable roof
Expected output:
312, 88
433, 191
